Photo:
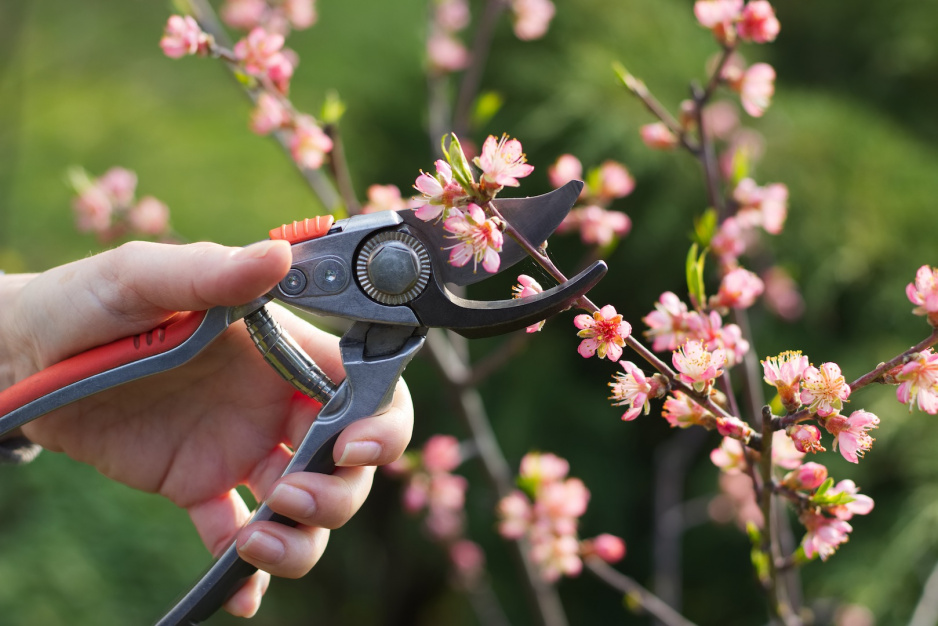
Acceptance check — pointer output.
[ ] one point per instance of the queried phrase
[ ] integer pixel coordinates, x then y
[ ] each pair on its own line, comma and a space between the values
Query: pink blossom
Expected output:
441, 454
243, 14
452, 15
738, 289
782, 295
784, 372
924, 293
119, 184
762, 206
806, 438
182, 37
784, 452
824, 390
566, 168
563, 502
527, 287
758, 22
696, 365
756, 88
532, 18
714, 13
598, 226
93, 210
468, 559
502, 162
260, 55
149, 216
557, 556
734, 428
543, 468
309, 144
447, 491
824, 535
745, 147
440, 192
806, 478
658, 136
681, 411
603, 333
860, 505
729, 456
301, 13
384, 198
514, 511
634, 389
919, 382
269, 115
480, 239
850, 433
609, 548
738, 500
668, 323
730, 241
710, 331
720, 119
446, 53
615, 181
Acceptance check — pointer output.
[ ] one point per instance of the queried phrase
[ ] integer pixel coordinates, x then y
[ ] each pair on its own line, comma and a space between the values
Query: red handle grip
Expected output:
166, 336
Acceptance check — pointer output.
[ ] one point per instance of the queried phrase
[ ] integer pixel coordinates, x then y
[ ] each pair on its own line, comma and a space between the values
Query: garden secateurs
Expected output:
387, 273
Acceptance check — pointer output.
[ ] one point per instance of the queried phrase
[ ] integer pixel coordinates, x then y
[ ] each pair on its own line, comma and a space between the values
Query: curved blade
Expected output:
535, 218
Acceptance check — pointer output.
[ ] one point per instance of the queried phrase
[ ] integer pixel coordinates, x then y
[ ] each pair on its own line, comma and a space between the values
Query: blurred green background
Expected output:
852, 132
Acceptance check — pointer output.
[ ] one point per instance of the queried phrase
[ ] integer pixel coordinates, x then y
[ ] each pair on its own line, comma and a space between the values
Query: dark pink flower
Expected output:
182, 37
609, 548
824, 535
807, 438
527, 287
758, 22
603, 333
807, 477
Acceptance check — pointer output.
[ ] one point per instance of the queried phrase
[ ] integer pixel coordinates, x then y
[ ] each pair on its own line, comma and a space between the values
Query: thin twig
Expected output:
644, 598
338, 164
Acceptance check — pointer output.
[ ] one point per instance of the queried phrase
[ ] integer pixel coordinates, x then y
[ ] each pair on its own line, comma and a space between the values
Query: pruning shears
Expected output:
387, 273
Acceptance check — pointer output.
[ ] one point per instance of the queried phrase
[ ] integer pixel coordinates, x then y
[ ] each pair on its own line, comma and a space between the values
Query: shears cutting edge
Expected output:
386, 272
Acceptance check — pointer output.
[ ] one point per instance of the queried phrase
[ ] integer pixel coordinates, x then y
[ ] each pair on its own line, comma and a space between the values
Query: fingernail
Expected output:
360, 453
292, 502
264, 547
256, 250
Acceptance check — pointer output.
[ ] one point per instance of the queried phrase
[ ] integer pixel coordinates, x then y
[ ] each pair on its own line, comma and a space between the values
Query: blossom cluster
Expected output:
261, 57
107, 206
546, 510
591, 217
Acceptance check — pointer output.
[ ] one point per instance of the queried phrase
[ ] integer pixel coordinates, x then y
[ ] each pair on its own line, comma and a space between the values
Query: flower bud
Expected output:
807, 477
806, 438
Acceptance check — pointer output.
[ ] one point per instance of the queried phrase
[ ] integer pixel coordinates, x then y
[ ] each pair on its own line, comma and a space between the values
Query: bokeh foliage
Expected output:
851, 132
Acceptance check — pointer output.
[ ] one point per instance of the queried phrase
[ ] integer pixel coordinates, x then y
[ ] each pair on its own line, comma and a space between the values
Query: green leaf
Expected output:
705, 227
77, 178
740, 166
827, 484
486, 106
528, 485
633, 84
695, 279
456, 158
333, 108
594, 181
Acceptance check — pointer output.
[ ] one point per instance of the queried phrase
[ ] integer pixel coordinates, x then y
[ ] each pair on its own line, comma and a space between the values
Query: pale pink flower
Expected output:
452, 15
603, 333
758, 22
563, 502
532, 18
301, 13
919, 382
782, 295
738, 501
730, 456
806, 477
417, 492
805, 437
598, 226
720, 119
514, 511
557, 556
440, 192
734, 428
924, 293
860, 505
566, 168
824, 390
269, 115
542, 468
696, 365
526, 287
762, 206
93, 210
502, 162
710, 331
745, 147
615, 181
738, 289
120, 184
447, 491
784, 372
149, 216
784, 452
308, 143
668, 324
468, 559
243, 14
609, 548
384, 198
730, 241
824, 535
183, 36
714, 13
681, 411
480, 239
756, 88
446, 53
850, 433
658, 136
441, 454
260, 55
634, 389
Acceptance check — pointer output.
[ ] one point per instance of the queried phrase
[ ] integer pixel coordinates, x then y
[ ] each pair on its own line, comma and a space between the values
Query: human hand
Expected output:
224, 419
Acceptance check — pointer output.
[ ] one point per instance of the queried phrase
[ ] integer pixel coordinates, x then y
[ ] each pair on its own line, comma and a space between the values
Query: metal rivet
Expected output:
293, 283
